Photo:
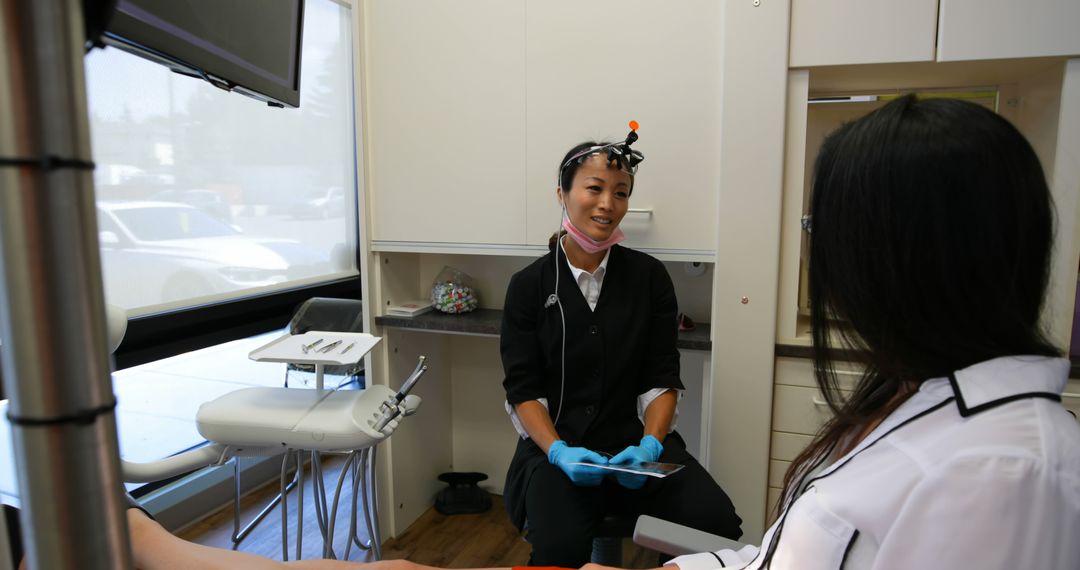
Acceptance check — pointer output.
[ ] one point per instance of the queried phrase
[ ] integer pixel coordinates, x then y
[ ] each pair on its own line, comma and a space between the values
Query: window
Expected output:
205, 196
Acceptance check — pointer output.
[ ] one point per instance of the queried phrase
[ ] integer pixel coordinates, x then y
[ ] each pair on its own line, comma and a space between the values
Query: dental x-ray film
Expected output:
650, 468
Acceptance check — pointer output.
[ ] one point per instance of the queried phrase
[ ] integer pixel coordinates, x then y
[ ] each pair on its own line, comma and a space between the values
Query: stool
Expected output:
607, 542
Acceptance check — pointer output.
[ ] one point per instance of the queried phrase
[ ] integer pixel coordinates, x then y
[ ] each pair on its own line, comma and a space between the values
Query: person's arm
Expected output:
662, 362
659, 414
519, 346
536, 420
154, 548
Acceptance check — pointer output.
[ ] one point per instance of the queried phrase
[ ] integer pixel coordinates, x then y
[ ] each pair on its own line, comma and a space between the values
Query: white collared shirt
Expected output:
980, 470
590, 283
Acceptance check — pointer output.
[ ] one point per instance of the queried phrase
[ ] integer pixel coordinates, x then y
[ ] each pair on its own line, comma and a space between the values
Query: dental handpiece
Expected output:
391, 408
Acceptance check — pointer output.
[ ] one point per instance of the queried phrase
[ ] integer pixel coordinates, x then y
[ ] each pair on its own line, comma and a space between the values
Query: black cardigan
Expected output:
624, 348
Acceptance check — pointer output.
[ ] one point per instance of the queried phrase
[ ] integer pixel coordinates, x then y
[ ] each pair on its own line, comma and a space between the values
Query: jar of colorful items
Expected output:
453, 292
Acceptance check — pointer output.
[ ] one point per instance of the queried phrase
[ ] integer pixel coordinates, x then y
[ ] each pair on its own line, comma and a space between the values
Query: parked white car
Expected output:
161, 252
331, 204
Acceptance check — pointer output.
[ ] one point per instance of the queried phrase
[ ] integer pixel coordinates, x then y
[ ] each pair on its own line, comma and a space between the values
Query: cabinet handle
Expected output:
819, 402
645, 211
1070, 395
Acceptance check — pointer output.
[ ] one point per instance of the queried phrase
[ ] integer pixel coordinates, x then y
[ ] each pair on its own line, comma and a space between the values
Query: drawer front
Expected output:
787, 446
800, 372
799, 410
777, 469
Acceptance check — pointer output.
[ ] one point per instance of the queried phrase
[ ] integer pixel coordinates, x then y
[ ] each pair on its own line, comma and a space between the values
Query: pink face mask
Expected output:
587, 243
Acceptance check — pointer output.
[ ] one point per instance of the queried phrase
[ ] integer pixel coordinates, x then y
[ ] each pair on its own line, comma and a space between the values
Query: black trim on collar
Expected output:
718, 559
851, 543
790, 499
966, 412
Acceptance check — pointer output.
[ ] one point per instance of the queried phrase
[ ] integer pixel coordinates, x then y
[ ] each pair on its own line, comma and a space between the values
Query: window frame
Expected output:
161, 335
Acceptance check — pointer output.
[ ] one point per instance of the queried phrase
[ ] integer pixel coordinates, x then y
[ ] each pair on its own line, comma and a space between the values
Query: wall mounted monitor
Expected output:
248, 46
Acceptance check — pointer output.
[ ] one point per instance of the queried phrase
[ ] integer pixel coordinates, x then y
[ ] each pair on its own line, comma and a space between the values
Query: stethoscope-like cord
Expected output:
562, 320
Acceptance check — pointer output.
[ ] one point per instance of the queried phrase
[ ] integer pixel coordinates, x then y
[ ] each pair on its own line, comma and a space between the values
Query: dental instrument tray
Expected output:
317, 347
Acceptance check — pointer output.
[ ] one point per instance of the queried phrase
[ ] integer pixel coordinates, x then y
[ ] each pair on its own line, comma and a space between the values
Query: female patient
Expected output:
931, 239
930, 250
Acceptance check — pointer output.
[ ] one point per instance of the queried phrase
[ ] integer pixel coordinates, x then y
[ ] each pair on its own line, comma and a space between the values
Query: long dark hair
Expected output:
930, 248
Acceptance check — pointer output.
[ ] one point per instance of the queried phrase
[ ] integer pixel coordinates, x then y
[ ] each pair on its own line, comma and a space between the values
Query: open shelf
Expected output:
487, 322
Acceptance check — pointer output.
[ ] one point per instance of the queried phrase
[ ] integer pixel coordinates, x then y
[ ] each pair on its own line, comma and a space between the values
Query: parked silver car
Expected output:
160, 252
330, 204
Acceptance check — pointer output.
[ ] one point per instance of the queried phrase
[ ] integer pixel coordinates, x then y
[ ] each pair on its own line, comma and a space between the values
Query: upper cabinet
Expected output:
978, 29
594, 66
446, 120
471, 108
847, 32
842, 32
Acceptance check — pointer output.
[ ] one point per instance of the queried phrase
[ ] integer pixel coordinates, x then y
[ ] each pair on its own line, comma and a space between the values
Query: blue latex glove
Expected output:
562, 456
649, 449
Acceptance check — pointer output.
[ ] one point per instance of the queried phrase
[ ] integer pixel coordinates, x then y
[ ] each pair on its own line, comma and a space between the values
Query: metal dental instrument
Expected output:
390, 407
307, 347
329, 347
348, 348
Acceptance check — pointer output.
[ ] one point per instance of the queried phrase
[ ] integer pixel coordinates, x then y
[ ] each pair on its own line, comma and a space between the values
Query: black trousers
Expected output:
563, 517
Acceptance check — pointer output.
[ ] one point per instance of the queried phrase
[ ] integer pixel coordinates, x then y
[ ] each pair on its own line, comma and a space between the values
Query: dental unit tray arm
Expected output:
269, 421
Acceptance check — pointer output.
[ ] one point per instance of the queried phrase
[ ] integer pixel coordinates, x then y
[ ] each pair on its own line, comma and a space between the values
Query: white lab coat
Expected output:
980, 470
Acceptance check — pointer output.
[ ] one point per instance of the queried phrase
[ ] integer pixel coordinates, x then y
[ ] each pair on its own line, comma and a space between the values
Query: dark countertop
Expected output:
489, 321
798, 351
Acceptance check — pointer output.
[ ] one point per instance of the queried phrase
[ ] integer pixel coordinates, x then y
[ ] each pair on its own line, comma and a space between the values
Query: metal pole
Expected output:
52, 312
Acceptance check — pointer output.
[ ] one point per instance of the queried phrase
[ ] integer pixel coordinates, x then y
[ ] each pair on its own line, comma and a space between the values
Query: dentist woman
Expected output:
592, 374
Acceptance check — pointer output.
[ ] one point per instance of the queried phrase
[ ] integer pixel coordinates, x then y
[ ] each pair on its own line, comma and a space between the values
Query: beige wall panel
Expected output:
753, 100
421, 448
1064, 181
592, 67
484, 438
446, 89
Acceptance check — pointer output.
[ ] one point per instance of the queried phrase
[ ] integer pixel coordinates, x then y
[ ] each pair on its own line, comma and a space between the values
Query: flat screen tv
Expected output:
248, 46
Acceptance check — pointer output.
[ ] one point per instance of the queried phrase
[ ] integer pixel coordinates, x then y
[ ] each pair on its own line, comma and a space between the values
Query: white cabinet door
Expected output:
594, 66
842, 32
446, 88
996, 29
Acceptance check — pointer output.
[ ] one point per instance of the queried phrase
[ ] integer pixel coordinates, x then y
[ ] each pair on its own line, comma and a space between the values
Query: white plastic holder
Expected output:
311, 348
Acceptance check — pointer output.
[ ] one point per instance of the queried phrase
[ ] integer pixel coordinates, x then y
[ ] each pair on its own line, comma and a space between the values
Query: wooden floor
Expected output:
457, 541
